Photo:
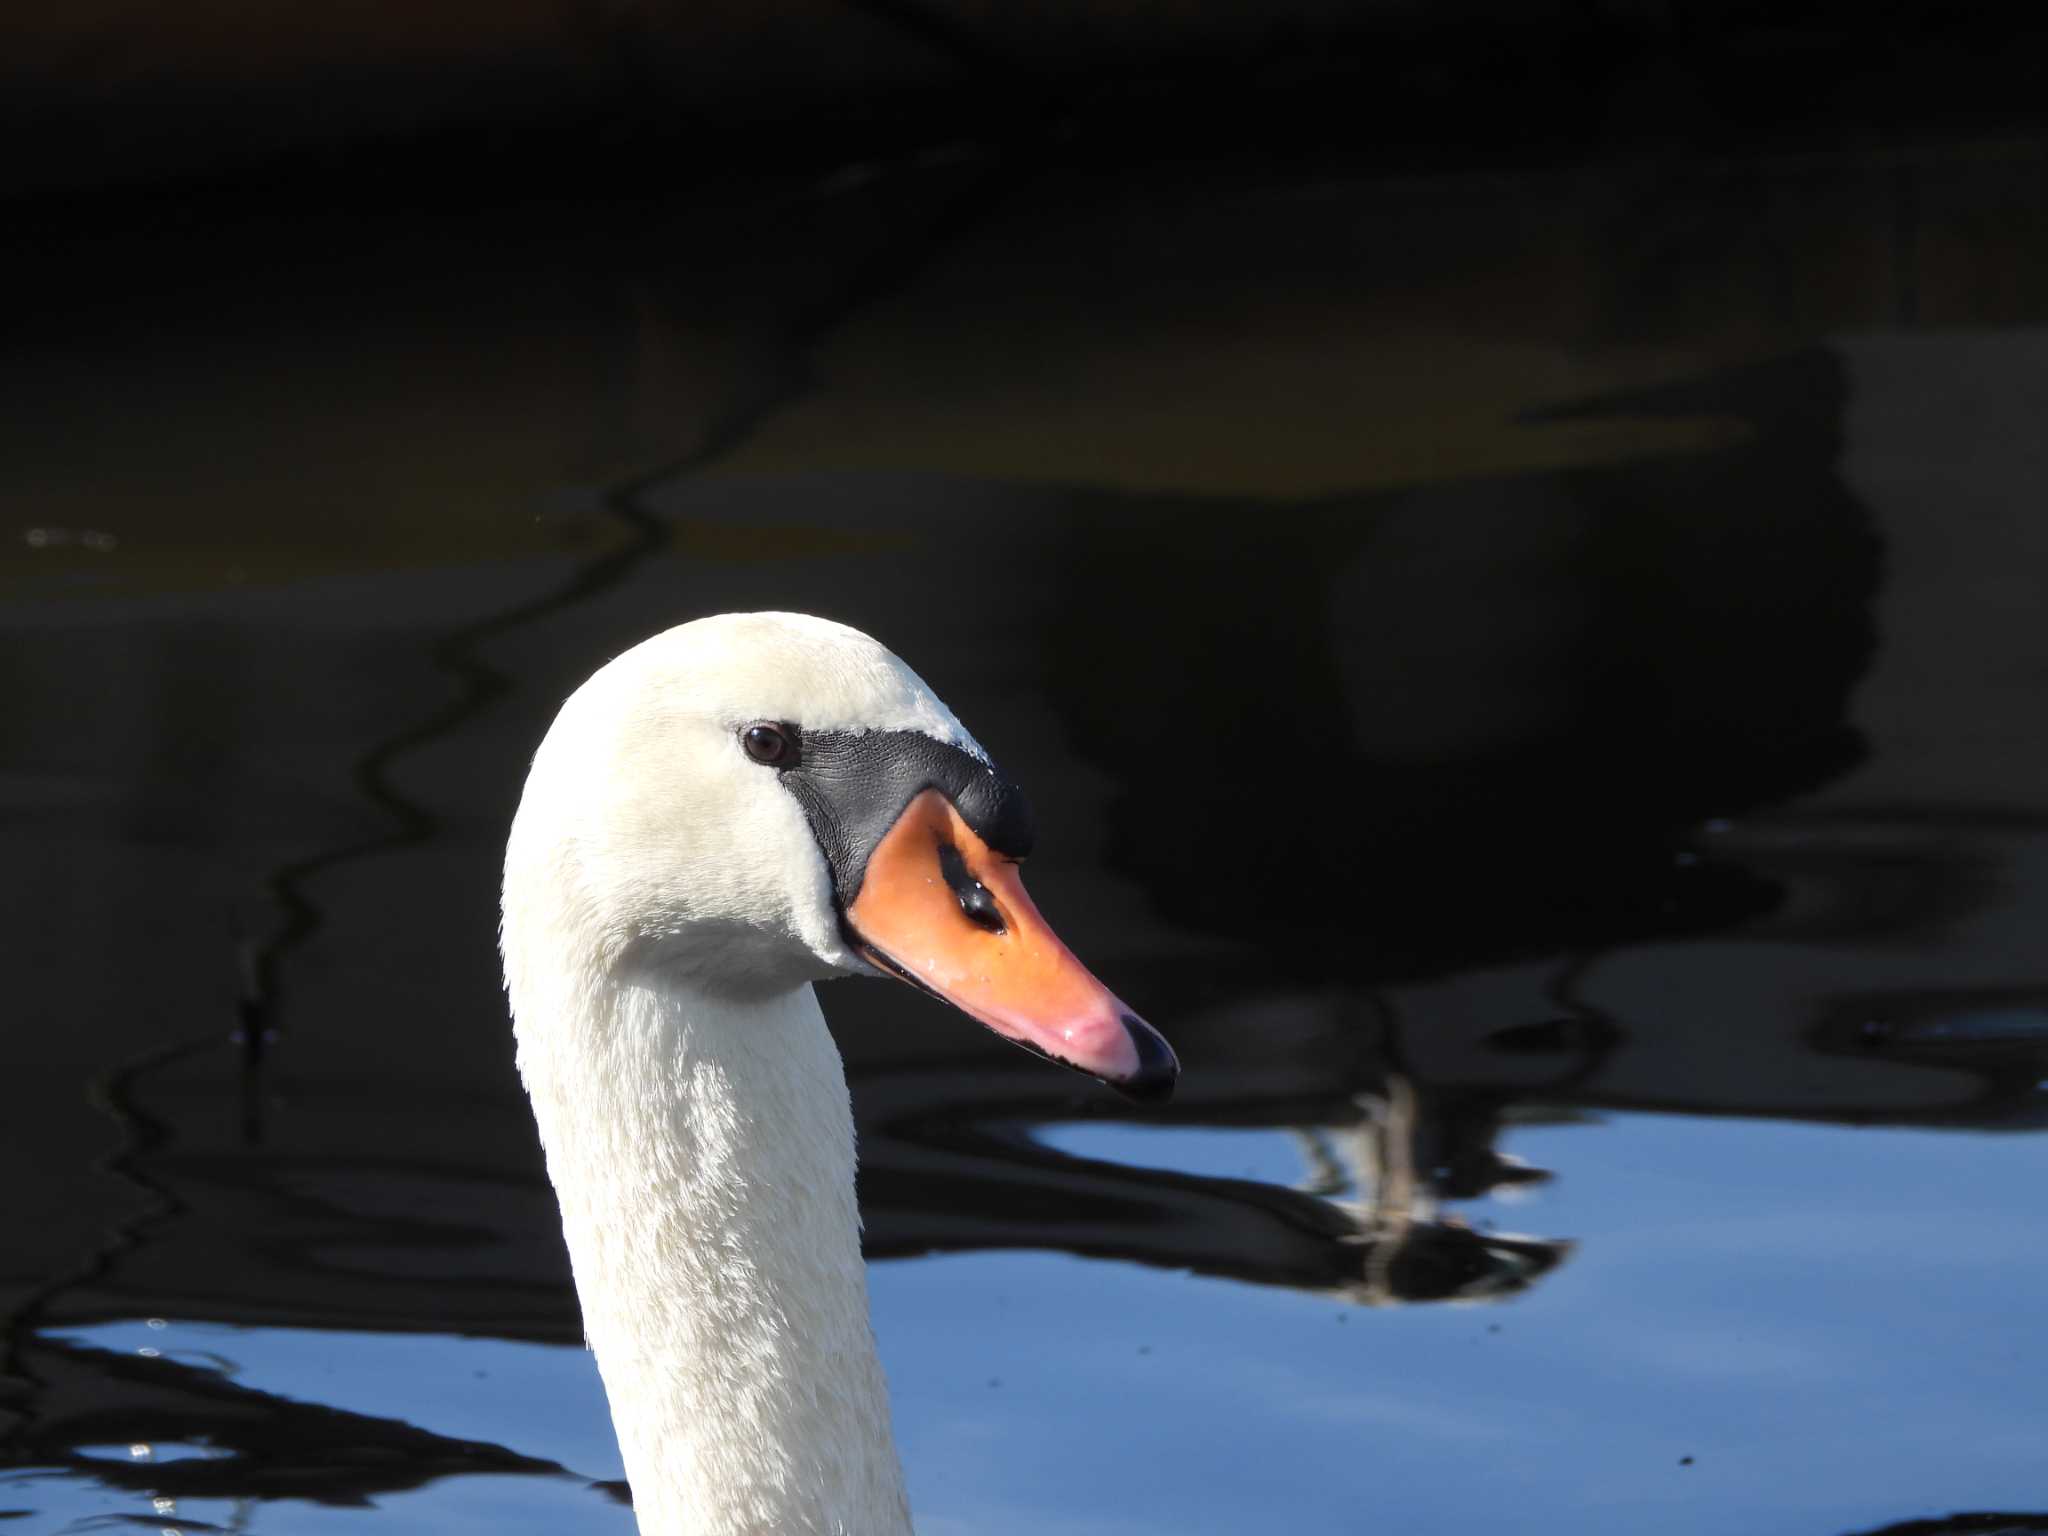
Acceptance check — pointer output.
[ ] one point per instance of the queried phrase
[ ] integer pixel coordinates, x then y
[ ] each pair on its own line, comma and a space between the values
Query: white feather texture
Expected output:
665, 911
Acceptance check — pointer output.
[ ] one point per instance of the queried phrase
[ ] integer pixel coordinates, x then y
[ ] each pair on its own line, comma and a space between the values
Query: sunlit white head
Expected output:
651, 843
681, 851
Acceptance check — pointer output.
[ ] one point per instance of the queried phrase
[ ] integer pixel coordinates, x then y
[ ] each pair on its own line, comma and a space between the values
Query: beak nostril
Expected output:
981, 909
975, 899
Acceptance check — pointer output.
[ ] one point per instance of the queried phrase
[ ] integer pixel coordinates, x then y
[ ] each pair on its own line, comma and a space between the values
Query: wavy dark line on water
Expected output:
114, 1095
479, 685
459, 653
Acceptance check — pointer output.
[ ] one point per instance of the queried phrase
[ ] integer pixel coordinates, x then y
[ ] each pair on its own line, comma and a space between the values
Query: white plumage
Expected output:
665, 911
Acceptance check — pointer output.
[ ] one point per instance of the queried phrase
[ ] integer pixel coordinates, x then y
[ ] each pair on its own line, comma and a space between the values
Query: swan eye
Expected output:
774, 745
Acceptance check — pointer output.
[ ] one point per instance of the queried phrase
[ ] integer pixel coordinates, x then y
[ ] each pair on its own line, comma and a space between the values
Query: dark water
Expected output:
1532, 677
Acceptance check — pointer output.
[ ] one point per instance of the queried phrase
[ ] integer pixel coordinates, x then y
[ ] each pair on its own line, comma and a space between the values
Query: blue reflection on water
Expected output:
1746, 1297
1800, 1311
1262, 1154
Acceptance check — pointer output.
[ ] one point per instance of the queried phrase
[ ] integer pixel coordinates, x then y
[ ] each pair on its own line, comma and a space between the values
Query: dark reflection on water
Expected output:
1663, 739
1378, 766
96, 1406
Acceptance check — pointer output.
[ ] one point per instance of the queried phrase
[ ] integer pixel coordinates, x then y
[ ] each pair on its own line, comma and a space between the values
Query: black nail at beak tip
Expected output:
1158, 1068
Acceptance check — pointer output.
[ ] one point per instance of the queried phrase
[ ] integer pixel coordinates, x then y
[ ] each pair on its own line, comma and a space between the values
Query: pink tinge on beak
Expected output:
939, 908
1108, 1041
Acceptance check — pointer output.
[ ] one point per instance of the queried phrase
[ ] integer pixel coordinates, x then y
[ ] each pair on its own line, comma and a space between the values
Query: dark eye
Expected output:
774, 745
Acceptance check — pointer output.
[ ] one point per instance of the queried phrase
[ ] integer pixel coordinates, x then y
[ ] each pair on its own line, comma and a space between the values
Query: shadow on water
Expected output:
96, 1405
1455, 822
56, 1393
1425, 814
459, 654
1511, 702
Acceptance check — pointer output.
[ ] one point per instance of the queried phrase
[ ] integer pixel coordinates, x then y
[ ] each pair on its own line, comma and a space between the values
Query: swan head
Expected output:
750, 802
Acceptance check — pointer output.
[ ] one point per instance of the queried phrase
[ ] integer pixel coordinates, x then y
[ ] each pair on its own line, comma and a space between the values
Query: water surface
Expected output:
1532, 677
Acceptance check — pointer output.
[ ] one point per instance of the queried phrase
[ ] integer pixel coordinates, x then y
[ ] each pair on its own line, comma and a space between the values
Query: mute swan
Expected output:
719, 817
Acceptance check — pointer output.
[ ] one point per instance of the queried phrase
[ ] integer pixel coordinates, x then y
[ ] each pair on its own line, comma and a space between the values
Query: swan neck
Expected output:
702, 1149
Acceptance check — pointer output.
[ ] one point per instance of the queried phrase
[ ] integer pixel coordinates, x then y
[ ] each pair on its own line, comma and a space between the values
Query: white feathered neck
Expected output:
666, 909
703, 1153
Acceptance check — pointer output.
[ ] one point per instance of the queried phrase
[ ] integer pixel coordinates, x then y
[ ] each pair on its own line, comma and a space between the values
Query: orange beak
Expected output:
940, 909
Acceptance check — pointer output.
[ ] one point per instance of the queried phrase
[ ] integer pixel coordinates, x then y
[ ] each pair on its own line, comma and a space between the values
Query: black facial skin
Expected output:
854, 784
